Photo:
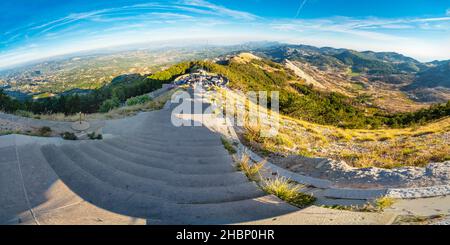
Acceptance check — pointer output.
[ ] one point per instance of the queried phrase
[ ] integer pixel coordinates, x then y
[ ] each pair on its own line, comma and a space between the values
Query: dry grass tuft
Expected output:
288, 191
252, 171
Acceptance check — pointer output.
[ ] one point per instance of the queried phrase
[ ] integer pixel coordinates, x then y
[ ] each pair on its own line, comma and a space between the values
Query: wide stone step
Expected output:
156, 188
174, 141
194, 132
101, 193
203, 151
188, 166
152, 124
139, 205
230, 212
171, 177
44, 189
179, 135
198, 156
173, 144
12, 196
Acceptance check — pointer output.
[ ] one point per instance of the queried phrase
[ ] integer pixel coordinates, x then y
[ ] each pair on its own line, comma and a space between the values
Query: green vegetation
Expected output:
45, 131
363, 63
94, 136
69, 136
305, 102
281, 187
8, 104
252, 171
42, 96
296, 99
109, 104
7, 132
103, 99
378, 205
384, 202
228, 146
288, 191
172, 72
142, 99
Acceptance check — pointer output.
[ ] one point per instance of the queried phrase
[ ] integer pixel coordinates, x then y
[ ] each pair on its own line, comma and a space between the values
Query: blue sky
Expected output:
34, 29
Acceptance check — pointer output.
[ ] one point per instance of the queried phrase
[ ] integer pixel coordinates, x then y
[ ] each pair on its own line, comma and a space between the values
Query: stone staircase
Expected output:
146, 170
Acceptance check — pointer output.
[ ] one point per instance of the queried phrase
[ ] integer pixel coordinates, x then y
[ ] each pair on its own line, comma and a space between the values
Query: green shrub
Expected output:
228, 146
138, 100
109, 104
94, 136
69, 136
45, 131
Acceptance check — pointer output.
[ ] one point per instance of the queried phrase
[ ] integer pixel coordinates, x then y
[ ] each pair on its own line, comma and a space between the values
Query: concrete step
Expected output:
230, 212
197, 157
171, 177
44, 189
174, 141
174, 145
100, 193
189, 166
167, 150
139, 205
179, 134
156, 188
13, 200
152, 124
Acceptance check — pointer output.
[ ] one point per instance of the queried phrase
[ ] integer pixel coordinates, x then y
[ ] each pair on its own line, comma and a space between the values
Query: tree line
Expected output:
99, 100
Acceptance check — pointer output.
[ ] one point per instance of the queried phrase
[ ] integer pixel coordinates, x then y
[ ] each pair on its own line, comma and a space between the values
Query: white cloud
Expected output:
221, 10
302, 4
421, 38
158, 10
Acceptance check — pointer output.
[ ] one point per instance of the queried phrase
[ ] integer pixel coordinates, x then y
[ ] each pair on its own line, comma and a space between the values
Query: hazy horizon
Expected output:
147, 46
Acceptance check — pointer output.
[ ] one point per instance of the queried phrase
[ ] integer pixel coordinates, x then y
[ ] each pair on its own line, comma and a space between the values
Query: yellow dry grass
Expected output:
413, 146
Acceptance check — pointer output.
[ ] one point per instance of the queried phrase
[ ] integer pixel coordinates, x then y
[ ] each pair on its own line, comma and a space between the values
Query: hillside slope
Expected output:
299, 100
386, 71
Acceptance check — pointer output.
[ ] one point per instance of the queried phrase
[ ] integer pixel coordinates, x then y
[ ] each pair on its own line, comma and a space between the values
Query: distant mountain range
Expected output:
389, 67
335, 69
435, 76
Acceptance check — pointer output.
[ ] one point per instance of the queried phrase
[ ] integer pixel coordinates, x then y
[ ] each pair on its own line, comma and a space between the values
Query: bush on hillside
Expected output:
69, 136
109, 104
138, 100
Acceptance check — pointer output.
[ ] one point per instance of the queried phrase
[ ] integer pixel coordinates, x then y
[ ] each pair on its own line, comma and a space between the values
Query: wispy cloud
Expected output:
302, 4
142, 22
68, 32
422, 38
220, 9
179, 11
375, 28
